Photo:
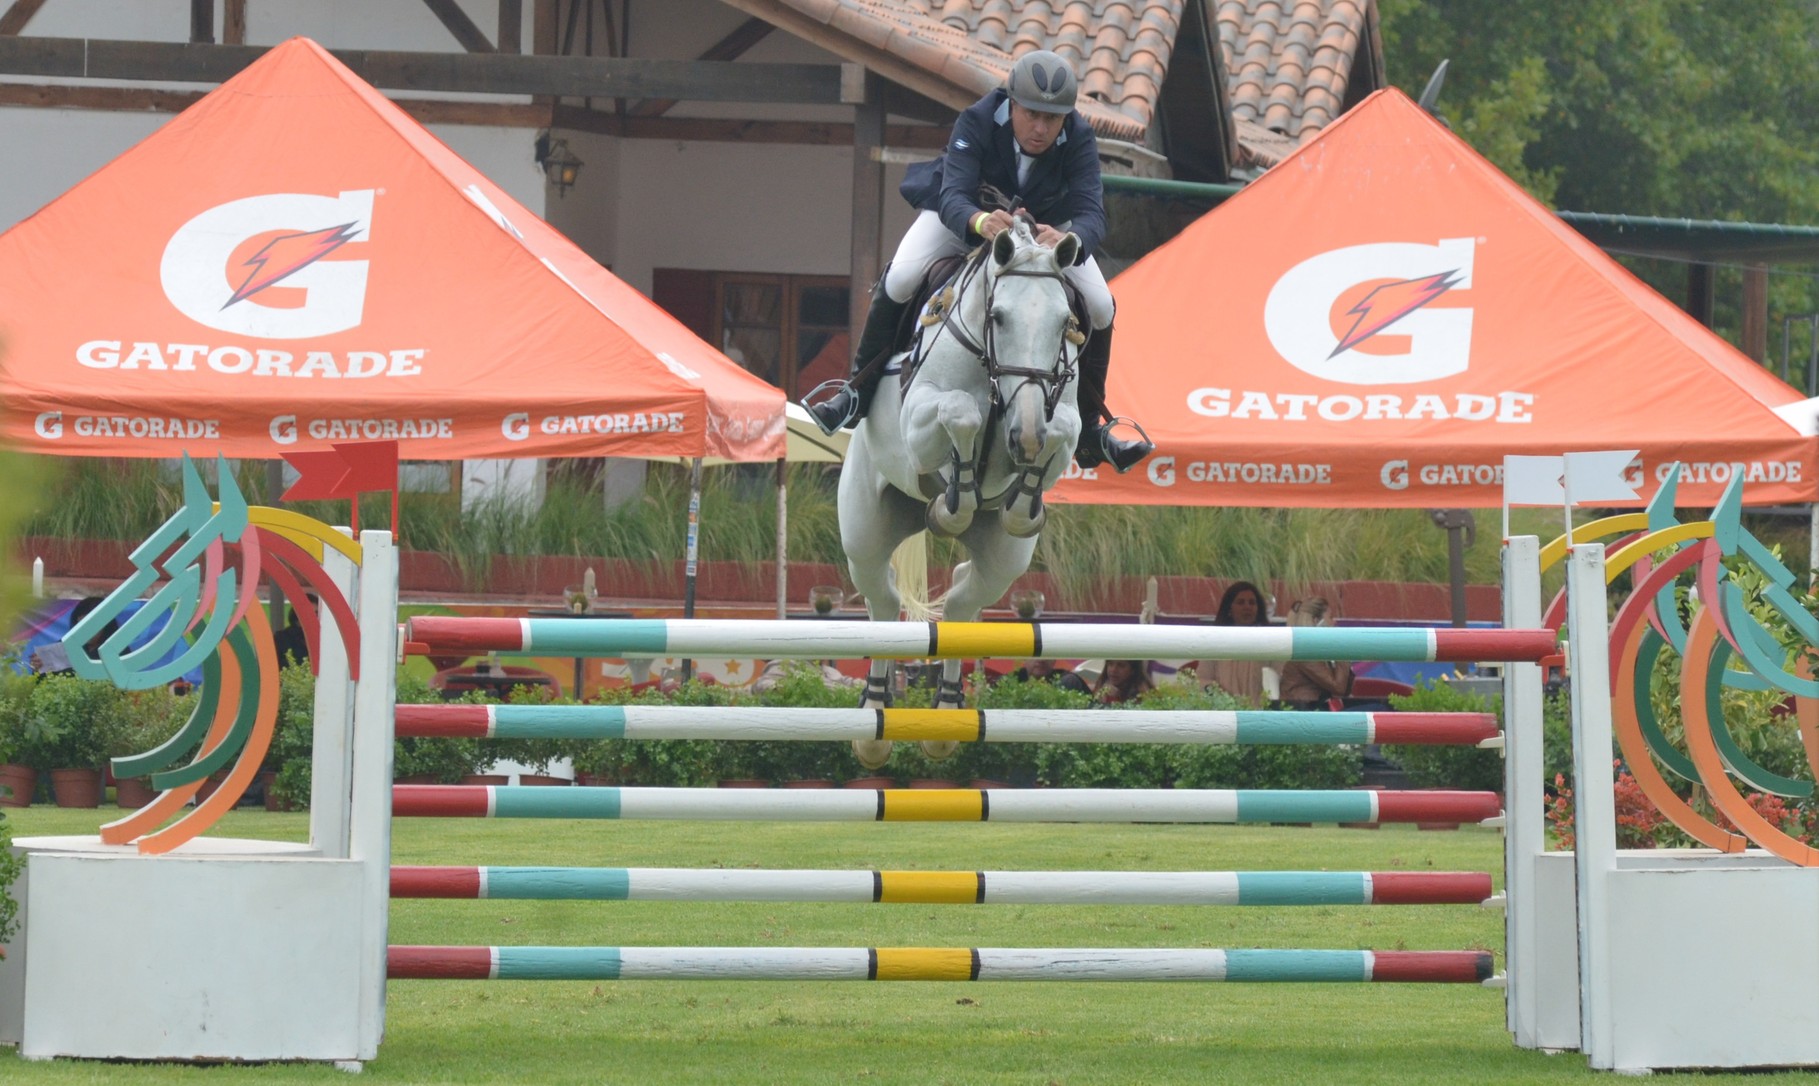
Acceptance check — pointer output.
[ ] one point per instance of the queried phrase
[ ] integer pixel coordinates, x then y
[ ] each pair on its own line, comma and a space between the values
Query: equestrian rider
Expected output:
1027, 141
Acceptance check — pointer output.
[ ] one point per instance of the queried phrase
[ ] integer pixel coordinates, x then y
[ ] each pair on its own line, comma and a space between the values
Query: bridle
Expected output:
1052, 380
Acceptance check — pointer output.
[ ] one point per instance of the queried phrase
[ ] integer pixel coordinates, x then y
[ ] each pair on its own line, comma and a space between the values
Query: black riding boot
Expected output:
849, 402
1097, 442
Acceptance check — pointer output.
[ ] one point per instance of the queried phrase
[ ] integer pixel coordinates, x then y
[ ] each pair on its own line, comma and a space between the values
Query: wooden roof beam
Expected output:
731, 47
471, 73
17, 15
449, 13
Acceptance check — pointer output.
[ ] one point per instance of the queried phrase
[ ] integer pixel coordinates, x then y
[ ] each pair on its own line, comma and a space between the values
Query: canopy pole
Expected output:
782, 537
694, 550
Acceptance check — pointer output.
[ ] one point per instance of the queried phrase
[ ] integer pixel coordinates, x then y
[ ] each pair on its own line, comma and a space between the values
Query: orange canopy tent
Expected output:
293, 262
1378, 320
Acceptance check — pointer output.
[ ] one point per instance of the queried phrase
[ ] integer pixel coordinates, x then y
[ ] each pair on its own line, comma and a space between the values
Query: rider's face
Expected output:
1035, 132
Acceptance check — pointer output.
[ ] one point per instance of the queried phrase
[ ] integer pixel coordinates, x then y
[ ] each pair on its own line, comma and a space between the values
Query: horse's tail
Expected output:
910, 563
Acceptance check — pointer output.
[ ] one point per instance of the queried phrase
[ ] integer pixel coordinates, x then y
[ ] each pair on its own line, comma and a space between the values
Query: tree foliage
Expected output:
1696, 109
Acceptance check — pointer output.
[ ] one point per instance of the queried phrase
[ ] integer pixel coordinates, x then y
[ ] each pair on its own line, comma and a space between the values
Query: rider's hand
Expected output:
995, 224
1048, 235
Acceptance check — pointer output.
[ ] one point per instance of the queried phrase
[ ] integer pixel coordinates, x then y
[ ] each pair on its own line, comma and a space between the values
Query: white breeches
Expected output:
927, 240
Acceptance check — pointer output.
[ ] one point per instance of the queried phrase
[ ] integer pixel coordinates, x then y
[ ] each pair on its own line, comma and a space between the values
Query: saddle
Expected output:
940, 275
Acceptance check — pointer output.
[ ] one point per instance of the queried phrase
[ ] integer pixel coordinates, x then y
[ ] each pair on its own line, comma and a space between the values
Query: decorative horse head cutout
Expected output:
205, 598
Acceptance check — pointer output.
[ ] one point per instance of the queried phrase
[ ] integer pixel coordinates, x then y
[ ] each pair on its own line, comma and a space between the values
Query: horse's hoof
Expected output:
938, 750
1020, 529
944, 524
873, 753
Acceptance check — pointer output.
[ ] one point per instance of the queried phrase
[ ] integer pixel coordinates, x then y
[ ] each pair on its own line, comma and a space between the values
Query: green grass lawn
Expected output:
642, 1032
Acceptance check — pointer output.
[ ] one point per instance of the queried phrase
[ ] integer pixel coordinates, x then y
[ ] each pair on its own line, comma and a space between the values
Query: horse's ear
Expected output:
1004, 246
1067, 253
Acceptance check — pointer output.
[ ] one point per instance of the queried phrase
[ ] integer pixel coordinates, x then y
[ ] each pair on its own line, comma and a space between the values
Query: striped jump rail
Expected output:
1247, 727
946, 887
932, 964
945, 804
775, 640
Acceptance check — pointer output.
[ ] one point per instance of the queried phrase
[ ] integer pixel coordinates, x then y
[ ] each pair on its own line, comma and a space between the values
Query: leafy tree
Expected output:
1675, 108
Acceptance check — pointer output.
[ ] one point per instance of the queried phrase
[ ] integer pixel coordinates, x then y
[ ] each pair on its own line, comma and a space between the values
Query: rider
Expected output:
1026, 141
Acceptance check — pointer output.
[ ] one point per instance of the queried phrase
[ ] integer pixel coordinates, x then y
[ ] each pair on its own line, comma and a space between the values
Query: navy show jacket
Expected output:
1063, 185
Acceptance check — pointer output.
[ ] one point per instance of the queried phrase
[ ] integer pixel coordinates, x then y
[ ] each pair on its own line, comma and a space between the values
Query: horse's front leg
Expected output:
941, 430
1024, 510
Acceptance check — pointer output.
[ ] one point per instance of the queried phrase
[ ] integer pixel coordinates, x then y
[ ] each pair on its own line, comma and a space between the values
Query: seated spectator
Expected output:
1243, 604
774, 670
1311, 684
1121, 681
1050, 671
292, 645
53, 659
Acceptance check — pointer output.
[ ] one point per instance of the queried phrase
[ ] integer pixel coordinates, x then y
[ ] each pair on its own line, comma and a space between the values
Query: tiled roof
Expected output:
1287, 61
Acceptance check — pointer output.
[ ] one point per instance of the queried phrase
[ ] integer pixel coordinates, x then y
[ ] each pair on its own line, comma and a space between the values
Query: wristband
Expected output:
979, 222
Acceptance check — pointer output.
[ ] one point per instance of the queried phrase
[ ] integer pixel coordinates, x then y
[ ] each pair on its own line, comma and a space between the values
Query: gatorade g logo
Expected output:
256, 267
1363, 315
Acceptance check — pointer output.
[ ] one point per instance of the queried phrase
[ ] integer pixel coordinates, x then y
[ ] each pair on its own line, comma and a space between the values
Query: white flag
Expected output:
1534, 480
1593, 477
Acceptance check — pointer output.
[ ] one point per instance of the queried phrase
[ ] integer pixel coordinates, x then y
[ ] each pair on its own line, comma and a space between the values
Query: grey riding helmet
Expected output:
1043, 83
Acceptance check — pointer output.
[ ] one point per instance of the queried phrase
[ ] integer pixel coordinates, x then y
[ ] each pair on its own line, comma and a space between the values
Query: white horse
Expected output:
987, 425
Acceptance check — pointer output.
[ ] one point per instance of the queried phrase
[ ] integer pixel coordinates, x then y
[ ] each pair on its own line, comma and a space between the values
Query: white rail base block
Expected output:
1719, 960
223, 950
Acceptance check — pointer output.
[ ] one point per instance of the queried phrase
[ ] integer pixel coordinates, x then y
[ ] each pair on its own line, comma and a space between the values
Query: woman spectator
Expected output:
1243, 604
1121, 681
1310, 684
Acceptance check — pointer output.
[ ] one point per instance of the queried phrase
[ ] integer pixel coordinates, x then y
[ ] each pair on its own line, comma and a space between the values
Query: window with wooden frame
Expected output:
788, 329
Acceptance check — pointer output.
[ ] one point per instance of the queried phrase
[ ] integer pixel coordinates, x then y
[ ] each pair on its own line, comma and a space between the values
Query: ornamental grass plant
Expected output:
127, 499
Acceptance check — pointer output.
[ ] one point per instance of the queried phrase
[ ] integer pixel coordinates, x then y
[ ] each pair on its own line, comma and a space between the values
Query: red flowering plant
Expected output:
1639, 824
1789, 818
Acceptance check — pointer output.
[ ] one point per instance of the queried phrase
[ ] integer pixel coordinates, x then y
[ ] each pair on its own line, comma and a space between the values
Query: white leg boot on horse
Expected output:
1098, 444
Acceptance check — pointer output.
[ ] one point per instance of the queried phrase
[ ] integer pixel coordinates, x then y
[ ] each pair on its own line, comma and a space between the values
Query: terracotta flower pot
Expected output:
932, 782
871, 782
981, 782
815, 782
76, 787
486, 778
208, 787
543, 779
416, 778
134, 792
20, 783
744, 782
588, 780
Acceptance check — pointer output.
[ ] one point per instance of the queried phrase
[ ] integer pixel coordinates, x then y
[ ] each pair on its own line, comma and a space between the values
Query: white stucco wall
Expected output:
45, 152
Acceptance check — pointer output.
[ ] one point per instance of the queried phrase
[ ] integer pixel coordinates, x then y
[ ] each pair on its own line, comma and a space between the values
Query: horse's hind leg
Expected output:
872, 524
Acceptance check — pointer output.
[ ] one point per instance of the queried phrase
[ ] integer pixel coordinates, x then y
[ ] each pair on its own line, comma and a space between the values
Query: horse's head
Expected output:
1029, 336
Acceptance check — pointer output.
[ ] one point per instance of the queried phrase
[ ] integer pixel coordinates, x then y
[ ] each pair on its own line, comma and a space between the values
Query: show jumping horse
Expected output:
985, 427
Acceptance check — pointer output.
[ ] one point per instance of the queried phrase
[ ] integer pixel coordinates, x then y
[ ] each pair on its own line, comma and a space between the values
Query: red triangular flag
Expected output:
343, 471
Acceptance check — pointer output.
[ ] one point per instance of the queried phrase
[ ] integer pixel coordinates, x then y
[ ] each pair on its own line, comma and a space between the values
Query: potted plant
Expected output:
18, 780
76, 719
150, 719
